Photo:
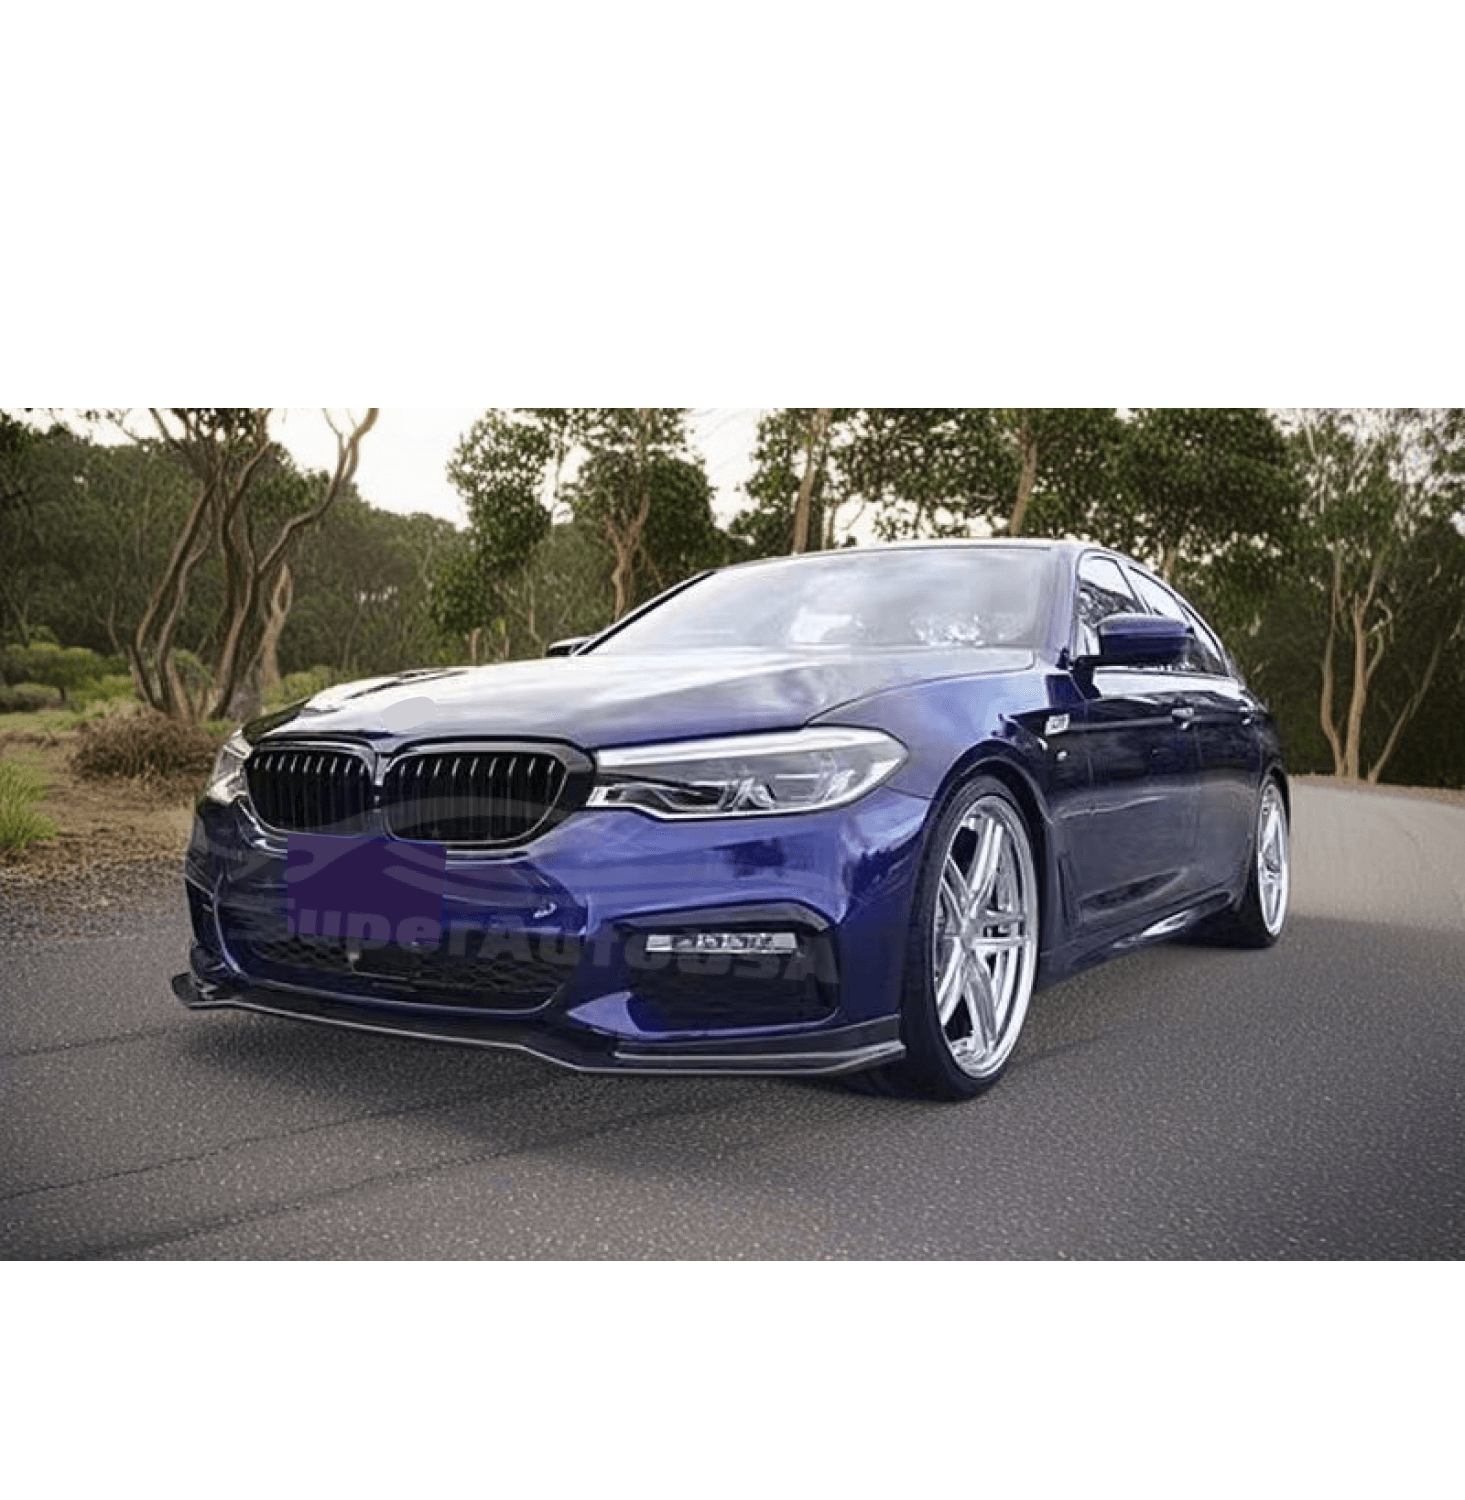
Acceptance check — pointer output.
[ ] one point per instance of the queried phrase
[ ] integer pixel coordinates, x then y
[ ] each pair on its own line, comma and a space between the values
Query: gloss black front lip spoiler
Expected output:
826, 1054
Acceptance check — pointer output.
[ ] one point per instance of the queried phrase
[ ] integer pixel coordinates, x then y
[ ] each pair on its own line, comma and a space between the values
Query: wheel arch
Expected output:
996, 761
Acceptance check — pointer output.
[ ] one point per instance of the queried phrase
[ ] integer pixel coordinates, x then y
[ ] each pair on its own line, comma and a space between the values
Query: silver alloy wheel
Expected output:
984, 936
1273, 860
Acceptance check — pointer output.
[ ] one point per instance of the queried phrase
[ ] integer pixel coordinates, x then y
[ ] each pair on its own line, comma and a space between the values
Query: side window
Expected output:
1102, 591
1205, 652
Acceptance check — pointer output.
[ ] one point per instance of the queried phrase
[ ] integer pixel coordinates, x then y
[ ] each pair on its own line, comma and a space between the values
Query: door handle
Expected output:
1183, 716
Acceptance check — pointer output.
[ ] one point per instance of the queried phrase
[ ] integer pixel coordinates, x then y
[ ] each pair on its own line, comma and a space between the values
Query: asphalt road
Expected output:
1182, 1102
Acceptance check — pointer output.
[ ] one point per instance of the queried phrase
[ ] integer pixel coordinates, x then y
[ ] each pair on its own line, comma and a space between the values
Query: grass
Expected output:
22, 787
40, 721
63, 720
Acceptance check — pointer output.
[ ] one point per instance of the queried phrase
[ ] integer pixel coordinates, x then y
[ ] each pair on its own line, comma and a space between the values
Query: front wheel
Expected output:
973, 952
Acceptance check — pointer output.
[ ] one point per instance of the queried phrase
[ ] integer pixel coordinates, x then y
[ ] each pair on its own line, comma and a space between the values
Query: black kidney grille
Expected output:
305, 790
471, 797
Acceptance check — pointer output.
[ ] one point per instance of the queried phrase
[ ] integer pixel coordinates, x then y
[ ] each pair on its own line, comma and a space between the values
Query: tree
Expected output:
819, 478
781, 469
627, 449
1379, 555
229, 454
623, 475
1064, 459
654, 514
929, 471
362, 586
86, 533
1201, 483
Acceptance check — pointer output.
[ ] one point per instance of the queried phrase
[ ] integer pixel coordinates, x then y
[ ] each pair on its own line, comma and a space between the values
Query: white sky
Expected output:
404, 457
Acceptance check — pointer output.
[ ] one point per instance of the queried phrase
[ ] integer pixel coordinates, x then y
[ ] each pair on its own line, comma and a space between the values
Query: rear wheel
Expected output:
973, 950
1258, 919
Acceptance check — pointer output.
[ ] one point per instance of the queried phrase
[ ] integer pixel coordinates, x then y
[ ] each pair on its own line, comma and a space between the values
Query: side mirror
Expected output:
568, 647
1142, 641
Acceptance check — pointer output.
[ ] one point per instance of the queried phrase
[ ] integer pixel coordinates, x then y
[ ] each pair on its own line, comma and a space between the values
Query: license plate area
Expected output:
379, 893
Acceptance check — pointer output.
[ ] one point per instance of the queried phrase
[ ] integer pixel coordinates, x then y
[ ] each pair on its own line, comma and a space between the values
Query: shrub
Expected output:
145, 745
28, 698
64, 667
20, 823
114, 687
300, 685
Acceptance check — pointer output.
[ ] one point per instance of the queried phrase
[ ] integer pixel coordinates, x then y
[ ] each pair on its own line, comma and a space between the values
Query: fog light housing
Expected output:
785, 943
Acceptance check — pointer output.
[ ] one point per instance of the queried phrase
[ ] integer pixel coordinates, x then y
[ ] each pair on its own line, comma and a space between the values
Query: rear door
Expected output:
1134, 851
1222, 724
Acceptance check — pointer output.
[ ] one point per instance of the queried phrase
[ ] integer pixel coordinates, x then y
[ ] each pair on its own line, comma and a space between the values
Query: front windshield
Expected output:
924, 597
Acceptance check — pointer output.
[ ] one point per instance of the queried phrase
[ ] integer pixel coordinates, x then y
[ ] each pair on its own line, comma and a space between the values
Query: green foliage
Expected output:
780, 456
926, 471
1202, 484
114, 687
680, 535
564, 591
146, 745
364, 593
28, 697
1379, 564
297, 685
21, 789
463, 597
500, 469
65, 668
94, 525
576, 514
908, 472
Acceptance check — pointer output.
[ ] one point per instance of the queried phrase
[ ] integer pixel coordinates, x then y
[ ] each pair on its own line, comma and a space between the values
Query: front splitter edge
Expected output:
850, 1050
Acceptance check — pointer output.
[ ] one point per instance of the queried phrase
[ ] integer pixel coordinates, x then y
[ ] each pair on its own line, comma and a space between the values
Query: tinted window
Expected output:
1102, 591
1205, 651
925, 597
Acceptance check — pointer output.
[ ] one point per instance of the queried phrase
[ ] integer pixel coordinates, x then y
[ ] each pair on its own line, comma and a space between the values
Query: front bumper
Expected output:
563, 973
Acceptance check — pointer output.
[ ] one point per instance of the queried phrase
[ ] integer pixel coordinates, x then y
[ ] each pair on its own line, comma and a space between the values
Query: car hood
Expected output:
599, 701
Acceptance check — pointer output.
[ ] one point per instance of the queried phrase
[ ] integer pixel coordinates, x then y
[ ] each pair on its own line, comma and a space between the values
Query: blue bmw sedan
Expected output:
834, 814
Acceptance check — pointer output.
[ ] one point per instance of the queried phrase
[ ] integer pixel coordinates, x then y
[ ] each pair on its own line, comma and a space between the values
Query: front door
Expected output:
1133, 849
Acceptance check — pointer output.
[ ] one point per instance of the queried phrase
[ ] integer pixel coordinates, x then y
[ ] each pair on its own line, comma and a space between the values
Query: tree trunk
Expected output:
1027, 481
1363, 671
236, 658
627, 540
225, 458
282, 596
1407, 712
1325, 704
815, 452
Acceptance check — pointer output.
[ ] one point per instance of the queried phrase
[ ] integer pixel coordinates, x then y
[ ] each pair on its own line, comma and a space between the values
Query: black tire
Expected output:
940, 1061
1258, 920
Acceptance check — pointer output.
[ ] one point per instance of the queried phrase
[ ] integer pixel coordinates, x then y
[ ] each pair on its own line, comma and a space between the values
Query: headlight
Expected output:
759, 775
226, 782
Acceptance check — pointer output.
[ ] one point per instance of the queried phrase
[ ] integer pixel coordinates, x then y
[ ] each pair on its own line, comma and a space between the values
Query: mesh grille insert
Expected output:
432, 975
